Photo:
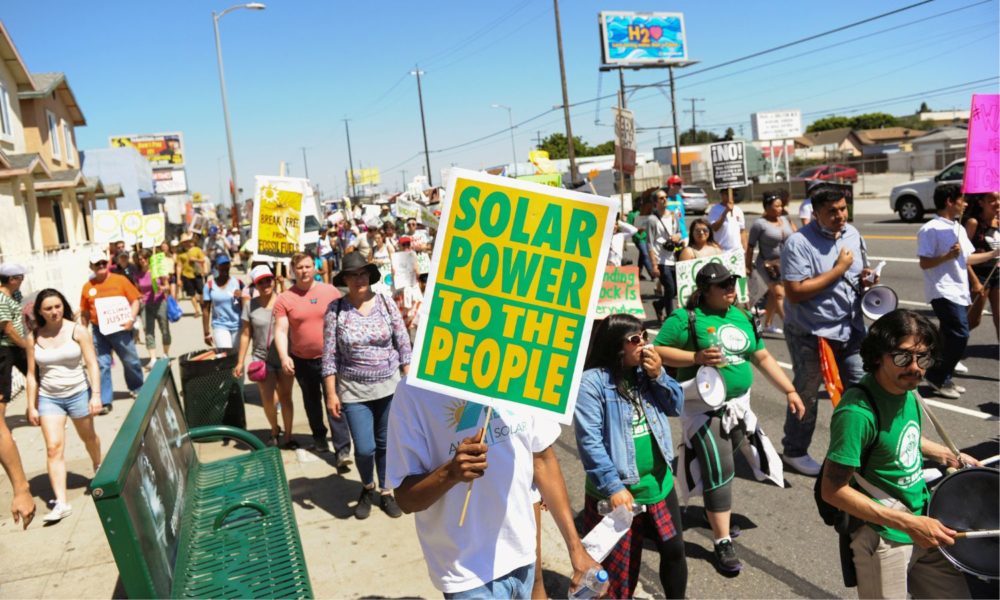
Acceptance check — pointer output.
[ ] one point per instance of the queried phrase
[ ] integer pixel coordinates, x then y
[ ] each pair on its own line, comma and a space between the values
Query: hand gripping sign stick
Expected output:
468, 492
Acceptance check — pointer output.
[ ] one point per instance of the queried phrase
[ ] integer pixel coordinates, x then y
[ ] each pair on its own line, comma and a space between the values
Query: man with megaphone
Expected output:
824, 272
946, 257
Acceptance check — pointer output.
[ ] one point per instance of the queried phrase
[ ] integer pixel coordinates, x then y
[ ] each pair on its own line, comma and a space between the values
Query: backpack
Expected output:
831, 515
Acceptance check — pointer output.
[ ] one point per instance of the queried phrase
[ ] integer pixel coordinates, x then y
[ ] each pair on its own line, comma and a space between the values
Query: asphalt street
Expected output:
786, 549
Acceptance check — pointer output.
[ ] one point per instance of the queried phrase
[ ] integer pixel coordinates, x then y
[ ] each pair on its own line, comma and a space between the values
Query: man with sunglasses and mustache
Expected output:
100, 303
874, 467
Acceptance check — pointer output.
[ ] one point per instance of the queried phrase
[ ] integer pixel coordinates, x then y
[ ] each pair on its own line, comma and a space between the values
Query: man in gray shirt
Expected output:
823, 269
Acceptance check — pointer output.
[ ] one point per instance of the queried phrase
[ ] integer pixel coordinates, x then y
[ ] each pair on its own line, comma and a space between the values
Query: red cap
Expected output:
674, 180
405, 240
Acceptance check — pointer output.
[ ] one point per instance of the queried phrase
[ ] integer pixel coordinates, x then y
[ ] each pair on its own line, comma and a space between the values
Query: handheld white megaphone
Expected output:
878, 301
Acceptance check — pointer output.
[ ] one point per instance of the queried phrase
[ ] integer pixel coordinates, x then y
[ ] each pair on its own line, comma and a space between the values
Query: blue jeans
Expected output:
644, 260
124, 346
516, 584
804, 348
369, 424
954, 327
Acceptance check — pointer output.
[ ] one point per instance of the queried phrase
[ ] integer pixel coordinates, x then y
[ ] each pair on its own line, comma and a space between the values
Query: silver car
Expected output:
695, 200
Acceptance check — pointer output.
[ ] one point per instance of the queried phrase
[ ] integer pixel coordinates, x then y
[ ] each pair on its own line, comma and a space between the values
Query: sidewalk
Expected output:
347, 558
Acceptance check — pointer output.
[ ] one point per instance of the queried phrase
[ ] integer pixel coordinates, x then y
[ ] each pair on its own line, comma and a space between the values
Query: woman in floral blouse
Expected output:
366, 351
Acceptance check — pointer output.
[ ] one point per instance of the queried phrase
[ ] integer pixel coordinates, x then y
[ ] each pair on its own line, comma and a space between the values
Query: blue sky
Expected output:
294, 70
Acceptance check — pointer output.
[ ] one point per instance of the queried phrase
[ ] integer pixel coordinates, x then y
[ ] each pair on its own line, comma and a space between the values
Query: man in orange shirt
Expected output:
110, 303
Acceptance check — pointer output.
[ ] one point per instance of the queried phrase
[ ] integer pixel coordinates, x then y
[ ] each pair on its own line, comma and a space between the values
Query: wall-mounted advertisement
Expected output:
637, 39
169, 181
776, 125
160, 149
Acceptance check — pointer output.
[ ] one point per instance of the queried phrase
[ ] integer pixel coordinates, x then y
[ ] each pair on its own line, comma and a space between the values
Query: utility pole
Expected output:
538, 139
565, 95
423, 122
350, 162
677, 131
305, 164
694, 126
404, 179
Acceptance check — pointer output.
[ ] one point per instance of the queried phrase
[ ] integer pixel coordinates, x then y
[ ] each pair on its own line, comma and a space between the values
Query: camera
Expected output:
668, 244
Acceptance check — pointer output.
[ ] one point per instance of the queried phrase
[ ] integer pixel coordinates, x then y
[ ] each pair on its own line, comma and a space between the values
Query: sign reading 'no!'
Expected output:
729, 165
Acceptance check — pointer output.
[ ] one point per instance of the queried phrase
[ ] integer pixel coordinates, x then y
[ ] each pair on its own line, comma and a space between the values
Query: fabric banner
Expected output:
107, 226
132, 227
620, 292
514, 283
733, 260
277, 216
982, 158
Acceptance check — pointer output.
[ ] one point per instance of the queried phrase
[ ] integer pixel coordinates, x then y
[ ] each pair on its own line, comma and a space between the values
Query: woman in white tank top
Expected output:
64, 355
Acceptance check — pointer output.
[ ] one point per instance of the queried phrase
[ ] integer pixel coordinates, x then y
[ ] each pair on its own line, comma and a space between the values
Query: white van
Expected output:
912, 199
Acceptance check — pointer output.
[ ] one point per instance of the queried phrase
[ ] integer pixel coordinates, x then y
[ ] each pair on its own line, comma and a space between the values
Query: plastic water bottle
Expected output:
593, 584
604, 508
714, 342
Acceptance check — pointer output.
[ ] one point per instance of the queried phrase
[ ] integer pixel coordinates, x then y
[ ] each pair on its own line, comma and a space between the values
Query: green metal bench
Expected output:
180, 528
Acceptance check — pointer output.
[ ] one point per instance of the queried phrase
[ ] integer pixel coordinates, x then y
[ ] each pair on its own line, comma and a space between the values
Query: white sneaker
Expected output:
803, 464
961, 369
774, 329
948, 390
59, 512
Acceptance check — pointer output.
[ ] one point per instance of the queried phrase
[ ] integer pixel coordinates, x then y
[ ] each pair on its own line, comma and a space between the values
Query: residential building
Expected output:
832, 145
887, 139
945, 117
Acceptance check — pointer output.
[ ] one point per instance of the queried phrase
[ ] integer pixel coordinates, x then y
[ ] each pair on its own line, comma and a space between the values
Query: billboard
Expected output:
160, 149
169, 181
363, 177
729, 165
636, 39
776, 125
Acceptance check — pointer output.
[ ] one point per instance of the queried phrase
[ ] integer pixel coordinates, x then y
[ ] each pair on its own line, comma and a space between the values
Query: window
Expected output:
54, 136
6, 129
70, 147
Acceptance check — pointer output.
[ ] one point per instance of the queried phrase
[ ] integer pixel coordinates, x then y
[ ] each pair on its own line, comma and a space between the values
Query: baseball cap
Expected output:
97, 255
12, 269
713, 273
213, 230
222, 259
260, 272
186, 237
674, 180
174, 243
405, 239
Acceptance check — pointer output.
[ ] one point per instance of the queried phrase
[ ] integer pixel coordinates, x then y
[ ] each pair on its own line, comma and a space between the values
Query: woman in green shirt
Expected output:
727, 338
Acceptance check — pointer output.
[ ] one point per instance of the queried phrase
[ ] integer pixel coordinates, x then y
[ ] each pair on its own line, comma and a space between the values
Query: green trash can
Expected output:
212, 396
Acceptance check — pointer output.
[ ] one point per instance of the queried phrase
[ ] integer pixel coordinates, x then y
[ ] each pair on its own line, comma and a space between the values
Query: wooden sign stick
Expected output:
468, 492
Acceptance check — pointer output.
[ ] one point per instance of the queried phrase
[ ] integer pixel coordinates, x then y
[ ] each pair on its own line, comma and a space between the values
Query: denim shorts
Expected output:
74, 407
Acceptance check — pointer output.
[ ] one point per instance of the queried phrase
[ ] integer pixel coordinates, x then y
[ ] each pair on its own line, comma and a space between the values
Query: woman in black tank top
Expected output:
982, 226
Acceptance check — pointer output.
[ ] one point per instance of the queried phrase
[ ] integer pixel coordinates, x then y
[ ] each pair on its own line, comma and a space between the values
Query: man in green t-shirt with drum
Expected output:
874, 468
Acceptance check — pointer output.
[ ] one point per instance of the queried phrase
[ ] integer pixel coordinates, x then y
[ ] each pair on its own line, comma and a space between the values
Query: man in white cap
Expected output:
111, 304
13, 347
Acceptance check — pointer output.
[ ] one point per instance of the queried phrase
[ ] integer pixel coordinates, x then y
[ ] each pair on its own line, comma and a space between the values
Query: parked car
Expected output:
695, 199
913, 198
829, 173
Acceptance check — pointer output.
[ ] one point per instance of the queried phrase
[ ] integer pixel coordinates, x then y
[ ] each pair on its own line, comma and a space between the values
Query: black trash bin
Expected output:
212, 396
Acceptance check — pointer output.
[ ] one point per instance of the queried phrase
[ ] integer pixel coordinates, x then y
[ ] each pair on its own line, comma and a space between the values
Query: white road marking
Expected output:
960, 410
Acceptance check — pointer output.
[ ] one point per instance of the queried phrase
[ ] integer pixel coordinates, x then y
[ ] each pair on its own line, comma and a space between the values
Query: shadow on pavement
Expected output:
333, 495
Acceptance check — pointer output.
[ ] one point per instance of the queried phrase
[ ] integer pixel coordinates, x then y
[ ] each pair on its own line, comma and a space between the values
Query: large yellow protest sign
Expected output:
514, 281
277, 216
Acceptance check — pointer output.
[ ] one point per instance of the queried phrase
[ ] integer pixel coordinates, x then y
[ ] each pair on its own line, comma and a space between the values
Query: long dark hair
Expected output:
36, 309
606, 350
711, 235
889, 331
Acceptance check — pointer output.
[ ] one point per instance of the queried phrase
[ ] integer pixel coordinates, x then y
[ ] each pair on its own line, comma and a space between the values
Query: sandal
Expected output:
290, 445
275, 438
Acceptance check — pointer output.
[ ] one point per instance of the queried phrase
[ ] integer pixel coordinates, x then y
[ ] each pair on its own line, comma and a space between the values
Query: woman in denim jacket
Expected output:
624, 441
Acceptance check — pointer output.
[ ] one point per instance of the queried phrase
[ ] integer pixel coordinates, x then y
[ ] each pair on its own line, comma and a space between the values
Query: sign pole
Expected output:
677, 131
468, 491
621, 149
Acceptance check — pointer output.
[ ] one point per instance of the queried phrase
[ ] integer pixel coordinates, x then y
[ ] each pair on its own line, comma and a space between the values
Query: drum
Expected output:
969, 500
706, 392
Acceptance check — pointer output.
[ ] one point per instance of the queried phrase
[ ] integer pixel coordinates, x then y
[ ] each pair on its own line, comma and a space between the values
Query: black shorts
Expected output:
193, 287
10, 357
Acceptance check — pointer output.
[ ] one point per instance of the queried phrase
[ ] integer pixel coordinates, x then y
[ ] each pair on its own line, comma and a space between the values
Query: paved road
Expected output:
785, 548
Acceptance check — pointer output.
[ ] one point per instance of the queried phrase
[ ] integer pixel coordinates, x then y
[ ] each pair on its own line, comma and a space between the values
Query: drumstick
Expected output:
990, 460
981, 533
468, 492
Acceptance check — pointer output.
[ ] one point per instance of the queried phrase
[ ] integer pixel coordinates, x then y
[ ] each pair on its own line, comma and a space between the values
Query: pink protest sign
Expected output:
982, 153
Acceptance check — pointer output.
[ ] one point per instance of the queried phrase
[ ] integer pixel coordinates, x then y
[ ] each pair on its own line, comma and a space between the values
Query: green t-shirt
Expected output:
10, 310
738, 338
640, 236
655, 477
895, 464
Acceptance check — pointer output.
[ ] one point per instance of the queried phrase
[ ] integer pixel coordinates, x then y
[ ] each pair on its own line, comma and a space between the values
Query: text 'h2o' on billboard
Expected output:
635, 39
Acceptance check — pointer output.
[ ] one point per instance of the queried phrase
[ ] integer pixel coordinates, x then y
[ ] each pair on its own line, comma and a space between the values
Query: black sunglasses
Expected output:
100, 264
637, 338
903, 358
729, 284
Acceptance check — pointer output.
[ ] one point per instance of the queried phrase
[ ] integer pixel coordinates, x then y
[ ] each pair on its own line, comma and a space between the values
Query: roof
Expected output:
826, 138
48, 83
888, 134
945, 134
60, 179
13, 165
13, 61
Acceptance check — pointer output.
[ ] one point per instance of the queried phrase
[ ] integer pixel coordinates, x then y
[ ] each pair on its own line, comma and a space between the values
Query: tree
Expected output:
828, 123
923, 108
607, 147
689, 137
875, 120
730, 134
555, 144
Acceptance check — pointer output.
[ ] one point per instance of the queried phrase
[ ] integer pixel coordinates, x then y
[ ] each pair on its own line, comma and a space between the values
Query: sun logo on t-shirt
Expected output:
463, 415
908, 449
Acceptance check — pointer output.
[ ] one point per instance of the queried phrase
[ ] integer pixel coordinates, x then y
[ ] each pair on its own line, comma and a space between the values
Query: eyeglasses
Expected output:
729, 284
356, 274
903, 358
100, 264
700, 230
637, 338
265, 282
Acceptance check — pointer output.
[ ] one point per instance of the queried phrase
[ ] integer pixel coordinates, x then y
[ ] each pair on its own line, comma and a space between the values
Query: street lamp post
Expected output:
234, 186
513, 147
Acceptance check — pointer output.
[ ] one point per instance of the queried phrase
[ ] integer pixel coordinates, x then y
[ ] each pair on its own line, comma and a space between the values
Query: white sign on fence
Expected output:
776, 125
